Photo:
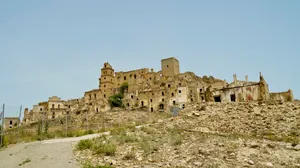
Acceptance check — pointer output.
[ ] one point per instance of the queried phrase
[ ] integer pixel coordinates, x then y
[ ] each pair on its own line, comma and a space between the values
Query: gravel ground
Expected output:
56, 153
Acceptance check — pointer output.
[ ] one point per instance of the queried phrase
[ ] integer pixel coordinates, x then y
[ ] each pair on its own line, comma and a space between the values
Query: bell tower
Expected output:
106, 81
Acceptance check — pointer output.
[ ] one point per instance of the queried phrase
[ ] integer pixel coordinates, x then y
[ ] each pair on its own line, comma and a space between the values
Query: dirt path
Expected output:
56, 153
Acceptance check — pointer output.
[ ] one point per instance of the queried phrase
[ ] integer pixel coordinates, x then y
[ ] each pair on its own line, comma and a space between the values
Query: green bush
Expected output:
118, 131
108, 149
126, 139
116, 100
84, 144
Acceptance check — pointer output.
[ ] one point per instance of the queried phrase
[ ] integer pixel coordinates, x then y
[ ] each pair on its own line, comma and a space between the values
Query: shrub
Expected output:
129, 156
177, 141
88, 165
148, 147
84, 144
108, 149
116, 100
89, 132
126, 139
148, 130
118, 131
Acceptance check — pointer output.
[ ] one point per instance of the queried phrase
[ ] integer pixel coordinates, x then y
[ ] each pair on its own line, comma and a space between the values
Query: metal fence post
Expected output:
2, 129
19, 123
66, 124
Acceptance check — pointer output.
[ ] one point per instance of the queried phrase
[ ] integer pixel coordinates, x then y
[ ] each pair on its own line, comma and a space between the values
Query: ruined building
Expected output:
156, 91
11, 122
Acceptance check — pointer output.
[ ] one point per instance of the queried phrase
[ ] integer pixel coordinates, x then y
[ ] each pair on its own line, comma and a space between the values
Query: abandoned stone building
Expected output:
53, 108
11, 122
156, 91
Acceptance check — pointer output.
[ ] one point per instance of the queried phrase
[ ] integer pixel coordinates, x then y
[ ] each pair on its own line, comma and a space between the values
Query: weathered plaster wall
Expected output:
282, 96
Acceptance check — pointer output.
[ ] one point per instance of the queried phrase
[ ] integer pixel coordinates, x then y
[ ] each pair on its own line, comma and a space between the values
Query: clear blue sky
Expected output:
58, 47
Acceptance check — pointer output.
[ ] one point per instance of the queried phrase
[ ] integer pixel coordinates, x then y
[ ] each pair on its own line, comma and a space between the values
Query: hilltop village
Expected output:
155, 92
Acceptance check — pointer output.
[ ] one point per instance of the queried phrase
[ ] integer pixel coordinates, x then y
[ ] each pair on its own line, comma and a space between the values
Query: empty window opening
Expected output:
217, 98
151, 100
59, 106
95, 95
183, 106
10, 122
142, 103
202, 98
104, 66
53, 106
150, 78
132, 96
169, 85
192, 99
152, 94
90, 96
53, 115
167, 66
97, 110
174, 102
104, 85
162, 99
130, 75
179, 91
162, 93
200, 90
232, 97
128, 104
134, 76
172, 94
161, 106
41, 109
104, 77
124, 77
179, 84
151, 109
104, 96
137, 98
69, 106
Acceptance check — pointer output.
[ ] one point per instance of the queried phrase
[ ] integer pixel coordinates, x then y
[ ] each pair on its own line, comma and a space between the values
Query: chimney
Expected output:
246, 78
234, 78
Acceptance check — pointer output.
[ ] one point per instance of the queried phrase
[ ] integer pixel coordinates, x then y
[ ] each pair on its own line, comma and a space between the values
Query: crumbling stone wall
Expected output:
282, 96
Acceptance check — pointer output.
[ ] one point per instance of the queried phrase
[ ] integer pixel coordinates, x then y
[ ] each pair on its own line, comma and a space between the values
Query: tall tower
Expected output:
106, 81
170, 66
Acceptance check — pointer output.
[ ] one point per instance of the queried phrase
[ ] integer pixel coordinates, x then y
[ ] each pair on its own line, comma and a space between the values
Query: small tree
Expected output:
116, 100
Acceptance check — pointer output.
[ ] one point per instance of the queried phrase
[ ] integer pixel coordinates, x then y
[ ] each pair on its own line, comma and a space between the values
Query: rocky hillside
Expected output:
210, 135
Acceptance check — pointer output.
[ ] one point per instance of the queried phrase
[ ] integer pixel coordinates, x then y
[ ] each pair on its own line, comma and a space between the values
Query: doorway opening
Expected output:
232, 97
161, 107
